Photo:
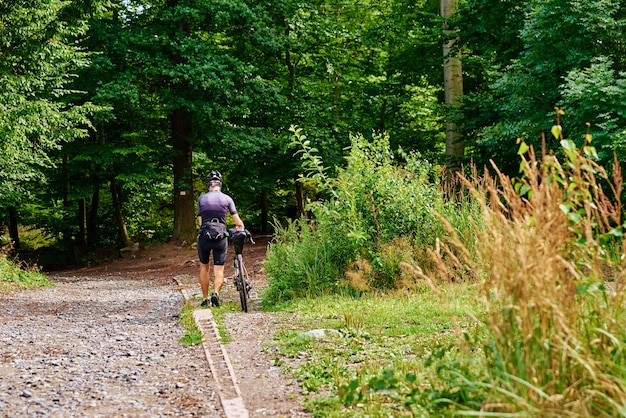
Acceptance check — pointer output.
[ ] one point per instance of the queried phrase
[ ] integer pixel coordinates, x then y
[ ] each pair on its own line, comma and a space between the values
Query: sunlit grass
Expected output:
14, 275
371, 334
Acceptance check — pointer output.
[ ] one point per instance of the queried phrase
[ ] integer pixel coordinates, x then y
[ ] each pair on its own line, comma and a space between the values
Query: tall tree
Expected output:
453, 86
192, 62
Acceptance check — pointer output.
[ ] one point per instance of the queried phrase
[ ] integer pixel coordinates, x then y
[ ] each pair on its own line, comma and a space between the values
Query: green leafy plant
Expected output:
376, 214
383, 357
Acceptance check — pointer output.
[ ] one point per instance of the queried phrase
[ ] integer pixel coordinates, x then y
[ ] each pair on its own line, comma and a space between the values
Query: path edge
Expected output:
233, 405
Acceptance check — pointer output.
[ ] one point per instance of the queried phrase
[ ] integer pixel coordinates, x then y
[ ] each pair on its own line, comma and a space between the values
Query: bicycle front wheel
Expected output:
241, 285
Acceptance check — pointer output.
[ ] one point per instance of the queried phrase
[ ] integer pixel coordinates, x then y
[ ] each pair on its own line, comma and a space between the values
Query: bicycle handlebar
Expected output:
249, 235
236, 234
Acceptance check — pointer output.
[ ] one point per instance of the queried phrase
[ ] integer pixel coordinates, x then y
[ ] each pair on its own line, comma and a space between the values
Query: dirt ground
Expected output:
165, 261
266, 390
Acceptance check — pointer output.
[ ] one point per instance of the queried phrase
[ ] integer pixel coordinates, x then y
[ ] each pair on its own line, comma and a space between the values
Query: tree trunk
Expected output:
13, 229
291, 68
81, 241
184, 202
300, 210
264, 212
453, 87
117, 206
92, 222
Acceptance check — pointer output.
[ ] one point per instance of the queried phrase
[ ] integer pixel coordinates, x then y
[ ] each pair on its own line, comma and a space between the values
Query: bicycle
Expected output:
242, 282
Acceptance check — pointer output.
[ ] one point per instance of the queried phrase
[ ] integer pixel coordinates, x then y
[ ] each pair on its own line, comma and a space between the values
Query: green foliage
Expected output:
525, 57
594, 95
300, 262
38, 61
383, 356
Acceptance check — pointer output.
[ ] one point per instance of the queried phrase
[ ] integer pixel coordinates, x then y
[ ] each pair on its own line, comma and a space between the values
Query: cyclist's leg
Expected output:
219, 257
218, 278
204, 280
203, 255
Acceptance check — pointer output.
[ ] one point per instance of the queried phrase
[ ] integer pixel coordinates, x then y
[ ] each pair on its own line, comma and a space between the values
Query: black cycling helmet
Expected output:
213, 178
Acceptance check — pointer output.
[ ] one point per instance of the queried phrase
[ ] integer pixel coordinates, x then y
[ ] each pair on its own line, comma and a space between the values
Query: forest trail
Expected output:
104, 342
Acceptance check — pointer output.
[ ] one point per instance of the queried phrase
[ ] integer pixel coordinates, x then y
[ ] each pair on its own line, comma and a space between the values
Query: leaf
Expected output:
565, 208
556, 131
523, 149
524, 190
574, 217
568, 145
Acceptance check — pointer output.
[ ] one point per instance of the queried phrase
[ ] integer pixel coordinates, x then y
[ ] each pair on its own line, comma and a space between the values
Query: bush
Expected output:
298, 263
379, 213
15, 275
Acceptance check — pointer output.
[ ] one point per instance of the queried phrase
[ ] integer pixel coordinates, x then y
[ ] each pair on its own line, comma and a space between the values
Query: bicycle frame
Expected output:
239, 238
240, 282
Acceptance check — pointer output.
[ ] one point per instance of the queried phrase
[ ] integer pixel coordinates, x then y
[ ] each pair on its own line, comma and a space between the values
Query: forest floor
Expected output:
265, 388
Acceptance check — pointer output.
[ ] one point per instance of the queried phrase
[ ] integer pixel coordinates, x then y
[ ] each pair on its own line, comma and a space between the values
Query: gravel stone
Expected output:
100, 347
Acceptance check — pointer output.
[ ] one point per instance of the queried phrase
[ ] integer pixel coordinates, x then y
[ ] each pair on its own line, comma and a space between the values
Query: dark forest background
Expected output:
112, 112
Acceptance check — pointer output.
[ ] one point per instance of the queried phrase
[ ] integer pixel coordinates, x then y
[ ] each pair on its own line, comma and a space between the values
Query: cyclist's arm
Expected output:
238, 221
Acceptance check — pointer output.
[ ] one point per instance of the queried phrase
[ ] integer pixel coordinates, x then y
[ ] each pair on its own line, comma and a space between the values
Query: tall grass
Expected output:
552, 286
300, 262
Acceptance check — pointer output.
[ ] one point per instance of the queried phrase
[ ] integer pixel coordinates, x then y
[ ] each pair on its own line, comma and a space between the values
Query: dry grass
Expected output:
556, 343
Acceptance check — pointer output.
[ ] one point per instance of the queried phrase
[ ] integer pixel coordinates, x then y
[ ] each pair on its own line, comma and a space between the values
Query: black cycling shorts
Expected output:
219, 248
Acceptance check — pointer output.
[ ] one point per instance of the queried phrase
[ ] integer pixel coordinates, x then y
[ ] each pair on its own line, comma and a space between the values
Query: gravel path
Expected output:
100, 347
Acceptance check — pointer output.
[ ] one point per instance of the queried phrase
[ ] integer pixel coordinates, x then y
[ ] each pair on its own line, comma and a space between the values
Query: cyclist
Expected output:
212, 207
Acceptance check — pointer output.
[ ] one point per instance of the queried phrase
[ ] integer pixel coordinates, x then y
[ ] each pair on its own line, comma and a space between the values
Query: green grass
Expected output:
193, 335
13, 276
375, 333
219, 318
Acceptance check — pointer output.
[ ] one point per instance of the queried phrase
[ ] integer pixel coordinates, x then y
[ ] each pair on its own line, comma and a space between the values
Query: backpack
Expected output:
214, 230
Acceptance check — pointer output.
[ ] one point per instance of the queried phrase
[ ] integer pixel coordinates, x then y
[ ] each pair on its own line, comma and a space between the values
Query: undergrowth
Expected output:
17, 275
553, 290
542, 254
376, 215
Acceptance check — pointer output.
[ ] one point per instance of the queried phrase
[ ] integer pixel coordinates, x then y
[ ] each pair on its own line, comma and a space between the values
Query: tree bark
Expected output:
291, 68
264, 212
81, 237
453, 87
13, 229
184, 202
117, 206
92, 222
300, 210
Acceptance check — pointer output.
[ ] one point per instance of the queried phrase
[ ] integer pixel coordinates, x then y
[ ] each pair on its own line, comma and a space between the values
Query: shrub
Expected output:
298, 263
378, 214
17, 275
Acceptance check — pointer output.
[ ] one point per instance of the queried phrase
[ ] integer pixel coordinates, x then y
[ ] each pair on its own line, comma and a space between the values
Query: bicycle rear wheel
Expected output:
241, 285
